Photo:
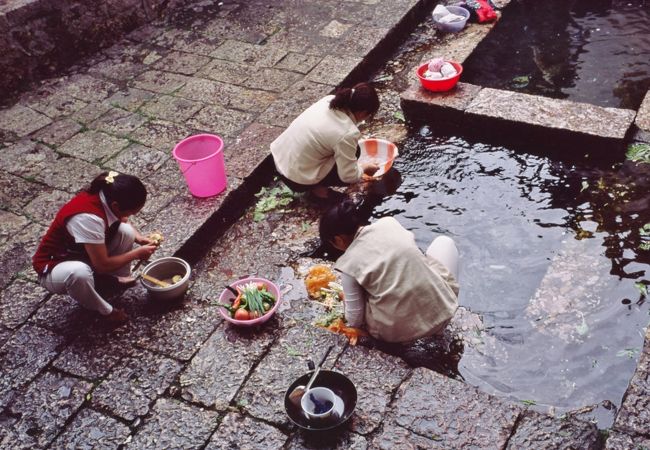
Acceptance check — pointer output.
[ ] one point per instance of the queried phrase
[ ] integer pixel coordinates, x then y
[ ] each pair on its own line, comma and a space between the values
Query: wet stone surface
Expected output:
170, 108
45, 205
363, 367
634, 414
394, 437
173, 424
180, 333
419, 103
536, 431
249, 148
18, 301
621, 441
339, 439
58, 132
294, 101
133, 384
333, 69
92, 430
16, 254
15, 192
237, 431
453, 413
92, 146
218, 370
10, 224
64, 316
92, 354
263, 393
552, 113
23, 356
642, 120
160, 134
21, 121
146, 163
118, 122
5, 334
44, 408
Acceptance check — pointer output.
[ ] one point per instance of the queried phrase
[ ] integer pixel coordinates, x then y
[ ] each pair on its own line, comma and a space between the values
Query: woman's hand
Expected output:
143, 240
144, 252
369, 168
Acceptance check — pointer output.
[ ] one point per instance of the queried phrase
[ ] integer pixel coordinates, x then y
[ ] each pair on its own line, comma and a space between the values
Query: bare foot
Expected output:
117, 317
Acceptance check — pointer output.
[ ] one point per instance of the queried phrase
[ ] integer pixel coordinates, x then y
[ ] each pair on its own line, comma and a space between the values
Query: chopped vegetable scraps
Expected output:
319, 277
338, 326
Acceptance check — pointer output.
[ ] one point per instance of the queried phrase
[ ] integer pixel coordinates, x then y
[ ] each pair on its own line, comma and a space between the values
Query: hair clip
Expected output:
111, 176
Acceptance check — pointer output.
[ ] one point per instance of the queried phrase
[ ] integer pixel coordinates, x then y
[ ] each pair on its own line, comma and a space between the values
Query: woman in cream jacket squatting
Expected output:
400, 293
319, 148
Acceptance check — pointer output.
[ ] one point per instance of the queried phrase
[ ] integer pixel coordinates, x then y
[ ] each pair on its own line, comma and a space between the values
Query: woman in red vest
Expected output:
90, 235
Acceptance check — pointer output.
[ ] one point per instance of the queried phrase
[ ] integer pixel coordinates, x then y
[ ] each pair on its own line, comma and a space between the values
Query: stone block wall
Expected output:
38, 38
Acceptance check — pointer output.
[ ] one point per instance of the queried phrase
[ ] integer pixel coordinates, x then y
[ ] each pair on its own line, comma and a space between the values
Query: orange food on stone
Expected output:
319, 277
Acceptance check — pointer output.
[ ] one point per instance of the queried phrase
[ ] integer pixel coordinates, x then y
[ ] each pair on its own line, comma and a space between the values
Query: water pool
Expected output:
583, 50
549, 257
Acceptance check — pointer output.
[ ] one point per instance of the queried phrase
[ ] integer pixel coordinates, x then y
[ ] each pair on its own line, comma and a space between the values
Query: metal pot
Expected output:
163, 269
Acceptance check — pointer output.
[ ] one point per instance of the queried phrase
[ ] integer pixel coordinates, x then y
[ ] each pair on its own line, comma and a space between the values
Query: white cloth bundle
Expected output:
442, 15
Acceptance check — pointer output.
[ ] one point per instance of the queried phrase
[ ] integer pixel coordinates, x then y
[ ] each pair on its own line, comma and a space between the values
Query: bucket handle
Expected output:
192, 164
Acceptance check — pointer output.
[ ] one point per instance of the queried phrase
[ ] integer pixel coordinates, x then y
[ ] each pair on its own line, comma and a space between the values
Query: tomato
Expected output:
242, 314
261, 286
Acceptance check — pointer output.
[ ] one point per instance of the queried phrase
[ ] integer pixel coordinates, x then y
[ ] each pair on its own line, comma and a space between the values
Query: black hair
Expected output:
126, 190
344, 218
361, 97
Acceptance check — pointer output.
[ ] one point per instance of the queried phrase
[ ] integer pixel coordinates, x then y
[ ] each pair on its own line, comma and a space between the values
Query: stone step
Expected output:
499, 115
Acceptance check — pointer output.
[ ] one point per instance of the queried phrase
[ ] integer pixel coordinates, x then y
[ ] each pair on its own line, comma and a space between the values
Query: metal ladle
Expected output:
296, 395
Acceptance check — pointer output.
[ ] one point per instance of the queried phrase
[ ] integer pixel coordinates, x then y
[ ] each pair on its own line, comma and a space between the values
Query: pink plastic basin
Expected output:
227, 297
378, 151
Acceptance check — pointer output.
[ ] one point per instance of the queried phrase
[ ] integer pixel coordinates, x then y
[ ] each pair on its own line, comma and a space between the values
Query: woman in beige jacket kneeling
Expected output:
319, 148
399, 293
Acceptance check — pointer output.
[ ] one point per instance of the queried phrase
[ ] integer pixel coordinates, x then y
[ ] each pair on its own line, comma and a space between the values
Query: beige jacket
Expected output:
410, 295
316, 140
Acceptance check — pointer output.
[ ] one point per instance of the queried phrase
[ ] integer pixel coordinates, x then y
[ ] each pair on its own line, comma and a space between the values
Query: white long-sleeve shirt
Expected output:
316, 140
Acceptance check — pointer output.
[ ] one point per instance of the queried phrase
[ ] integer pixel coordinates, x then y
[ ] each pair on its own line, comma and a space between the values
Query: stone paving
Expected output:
178, 376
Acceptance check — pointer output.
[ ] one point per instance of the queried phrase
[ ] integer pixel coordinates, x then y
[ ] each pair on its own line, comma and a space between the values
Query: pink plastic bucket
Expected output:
200, 158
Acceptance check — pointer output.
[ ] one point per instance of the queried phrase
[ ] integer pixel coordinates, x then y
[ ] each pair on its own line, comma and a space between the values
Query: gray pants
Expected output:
75, 278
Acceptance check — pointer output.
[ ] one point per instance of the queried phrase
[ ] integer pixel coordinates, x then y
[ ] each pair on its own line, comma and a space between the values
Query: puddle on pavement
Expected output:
587, 51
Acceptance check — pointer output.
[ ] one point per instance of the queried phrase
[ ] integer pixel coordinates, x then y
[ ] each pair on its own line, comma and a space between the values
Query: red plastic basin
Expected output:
445, 84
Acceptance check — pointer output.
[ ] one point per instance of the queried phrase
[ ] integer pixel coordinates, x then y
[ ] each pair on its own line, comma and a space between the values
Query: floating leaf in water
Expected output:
399, 115
583, 328
629, 352
520, 82
638, 153
643, 289
529, 402
585, 185
645, 230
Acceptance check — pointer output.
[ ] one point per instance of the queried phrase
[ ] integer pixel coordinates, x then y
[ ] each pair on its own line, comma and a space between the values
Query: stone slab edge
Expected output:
503, 115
